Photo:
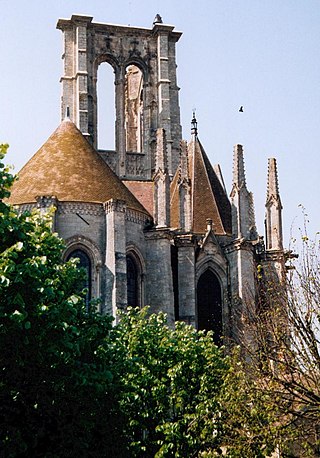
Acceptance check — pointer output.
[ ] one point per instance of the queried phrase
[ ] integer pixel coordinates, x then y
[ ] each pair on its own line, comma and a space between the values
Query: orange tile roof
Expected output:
143, 191
208, 197
68, 167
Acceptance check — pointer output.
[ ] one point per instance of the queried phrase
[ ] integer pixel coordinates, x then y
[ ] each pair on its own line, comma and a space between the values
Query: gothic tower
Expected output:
146, 91
151, 221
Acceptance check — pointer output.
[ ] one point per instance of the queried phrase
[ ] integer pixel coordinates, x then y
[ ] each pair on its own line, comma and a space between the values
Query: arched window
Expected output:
85, 263
133, 282
209, 305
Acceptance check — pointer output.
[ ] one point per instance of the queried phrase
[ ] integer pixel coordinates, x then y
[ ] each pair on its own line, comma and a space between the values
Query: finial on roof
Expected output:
194, 124
67, 116
157, 19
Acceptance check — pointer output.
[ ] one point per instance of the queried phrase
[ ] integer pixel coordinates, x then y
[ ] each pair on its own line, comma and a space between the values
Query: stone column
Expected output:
186, 279
185, 190
116, 264
242, 270
164, 86
159, 284
75, 78
161, 180
68, 78
176, 129
120, 122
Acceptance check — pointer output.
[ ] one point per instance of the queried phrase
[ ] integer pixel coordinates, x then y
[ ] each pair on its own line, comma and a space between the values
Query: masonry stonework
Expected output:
151, 221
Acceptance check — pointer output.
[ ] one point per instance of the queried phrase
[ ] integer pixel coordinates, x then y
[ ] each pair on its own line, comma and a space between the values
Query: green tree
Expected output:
56, 387
170, 384
73, 386
181, 396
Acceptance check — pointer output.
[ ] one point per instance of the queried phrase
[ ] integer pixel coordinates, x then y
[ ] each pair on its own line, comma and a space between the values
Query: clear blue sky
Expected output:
262, 54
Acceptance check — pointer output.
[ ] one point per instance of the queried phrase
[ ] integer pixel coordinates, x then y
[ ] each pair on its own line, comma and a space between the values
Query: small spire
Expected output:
272, 183
239, 178
194, 124
157, 19
273, 221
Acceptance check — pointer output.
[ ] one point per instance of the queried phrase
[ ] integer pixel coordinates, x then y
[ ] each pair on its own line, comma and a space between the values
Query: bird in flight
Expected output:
241, 109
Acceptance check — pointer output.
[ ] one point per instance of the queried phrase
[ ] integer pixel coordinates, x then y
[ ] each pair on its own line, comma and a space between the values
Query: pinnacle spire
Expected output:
243, 215
239, 178
272, 184
274, 238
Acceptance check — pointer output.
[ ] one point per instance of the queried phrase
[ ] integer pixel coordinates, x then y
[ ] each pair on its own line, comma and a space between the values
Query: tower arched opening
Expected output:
106, 107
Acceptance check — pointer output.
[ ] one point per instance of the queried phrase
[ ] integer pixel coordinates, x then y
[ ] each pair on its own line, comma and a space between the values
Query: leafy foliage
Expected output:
171, 380
55, 388
73, 386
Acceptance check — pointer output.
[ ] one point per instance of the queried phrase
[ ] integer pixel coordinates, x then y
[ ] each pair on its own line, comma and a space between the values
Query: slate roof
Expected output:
208, 197
68, 167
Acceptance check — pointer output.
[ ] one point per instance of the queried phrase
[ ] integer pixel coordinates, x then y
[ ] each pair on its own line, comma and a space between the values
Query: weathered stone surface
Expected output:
197, 235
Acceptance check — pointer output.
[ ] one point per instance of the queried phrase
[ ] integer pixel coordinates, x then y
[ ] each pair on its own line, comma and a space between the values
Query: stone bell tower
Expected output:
146, 91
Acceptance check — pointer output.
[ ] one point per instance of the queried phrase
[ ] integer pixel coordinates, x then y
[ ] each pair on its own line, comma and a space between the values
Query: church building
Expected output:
151, 221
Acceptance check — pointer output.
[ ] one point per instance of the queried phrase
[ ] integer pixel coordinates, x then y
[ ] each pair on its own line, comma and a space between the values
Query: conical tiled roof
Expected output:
208, 197
67, 167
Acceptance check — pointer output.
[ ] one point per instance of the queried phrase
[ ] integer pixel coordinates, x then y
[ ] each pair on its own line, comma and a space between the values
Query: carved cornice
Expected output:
115, 205
185, 240
79, 207
137, 217
25, 207
158, 233
46, 201
275, 255
239, 244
